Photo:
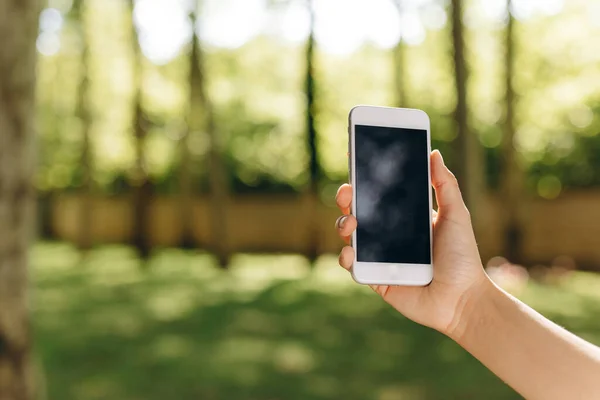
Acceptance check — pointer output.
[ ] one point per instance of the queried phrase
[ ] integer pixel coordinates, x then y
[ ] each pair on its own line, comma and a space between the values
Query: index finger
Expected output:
343, 198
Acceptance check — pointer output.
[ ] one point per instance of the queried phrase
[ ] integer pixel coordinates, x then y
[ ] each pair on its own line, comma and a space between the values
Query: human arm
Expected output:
533, 355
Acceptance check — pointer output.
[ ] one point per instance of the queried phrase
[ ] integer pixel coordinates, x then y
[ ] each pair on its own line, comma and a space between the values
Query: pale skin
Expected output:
536, 357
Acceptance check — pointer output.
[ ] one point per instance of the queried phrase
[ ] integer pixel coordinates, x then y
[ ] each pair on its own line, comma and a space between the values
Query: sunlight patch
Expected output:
273, 266
113, 265
328, 276
169, 263
172, 302
257, 272
549, 299
49, 259
586, 284
293, 357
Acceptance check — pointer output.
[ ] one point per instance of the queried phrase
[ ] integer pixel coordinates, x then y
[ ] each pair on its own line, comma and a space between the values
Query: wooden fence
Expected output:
567, 226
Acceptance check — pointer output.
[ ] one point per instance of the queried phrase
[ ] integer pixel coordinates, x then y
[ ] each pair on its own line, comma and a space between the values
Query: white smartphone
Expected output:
389, 171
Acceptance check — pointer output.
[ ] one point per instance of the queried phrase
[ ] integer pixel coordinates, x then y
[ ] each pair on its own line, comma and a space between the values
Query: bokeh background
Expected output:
188, 154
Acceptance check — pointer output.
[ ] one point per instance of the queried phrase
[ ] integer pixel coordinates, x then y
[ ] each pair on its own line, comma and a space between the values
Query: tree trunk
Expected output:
511, 184
85, 117
311, 138
55, 126
470, 167
18, 29
194, 126
142, 187
202, 118
399, 52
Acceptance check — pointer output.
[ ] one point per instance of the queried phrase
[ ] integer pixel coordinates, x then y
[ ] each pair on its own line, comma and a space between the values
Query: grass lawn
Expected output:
268, 329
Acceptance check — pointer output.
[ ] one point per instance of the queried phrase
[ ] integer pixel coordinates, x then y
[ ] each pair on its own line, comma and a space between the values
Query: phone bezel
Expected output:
389, 273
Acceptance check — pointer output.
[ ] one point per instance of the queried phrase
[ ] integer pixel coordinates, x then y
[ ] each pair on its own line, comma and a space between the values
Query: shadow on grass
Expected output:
268, 329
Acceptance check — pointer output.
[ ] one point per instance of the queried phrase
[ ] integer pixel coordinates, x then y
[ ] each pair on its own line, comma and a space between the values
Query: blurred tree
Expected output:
193, 125
512, 183
311, 109
50, 117
470, 168
315, 172
18, 27
201, 120
84, 114
142, 185
399, 63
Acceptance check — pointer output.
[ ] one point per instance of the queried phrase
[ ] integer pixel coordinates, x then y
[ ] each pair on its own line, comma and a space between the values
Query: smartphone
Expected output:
389, 170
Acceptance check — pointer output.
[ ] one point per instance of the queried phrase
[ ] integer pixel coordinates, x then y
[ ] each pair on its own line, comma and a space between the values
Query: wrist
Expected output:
471, 308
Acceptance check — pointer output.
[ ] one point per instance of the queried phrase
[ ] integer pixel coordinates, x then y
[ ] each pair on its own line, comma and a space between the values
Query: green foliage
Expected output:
573, 157
257, 92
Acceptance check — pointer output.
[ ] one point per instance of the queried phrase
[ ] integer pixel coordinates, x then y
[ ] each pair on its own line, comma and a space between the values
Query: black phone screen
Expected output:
392, 195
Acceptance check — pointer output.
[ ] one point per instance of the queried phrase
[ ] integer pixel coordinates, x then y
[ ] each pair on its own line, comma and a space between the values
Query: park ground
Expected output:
269, 328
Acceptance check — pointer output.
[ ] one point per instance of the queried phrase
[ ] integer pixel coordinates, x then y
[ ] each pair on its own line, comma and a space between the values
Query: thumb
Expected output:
447, 193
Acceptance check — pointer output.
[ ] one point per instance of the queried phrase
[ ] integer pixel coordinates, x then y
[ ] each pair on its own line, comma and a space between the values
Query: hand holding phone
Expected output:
458, 274
536, 357
389, 170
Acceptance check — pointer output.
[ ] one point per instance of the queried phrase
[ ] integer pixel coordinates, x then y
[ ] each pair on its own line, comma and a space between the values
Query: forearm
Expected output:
536, 357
